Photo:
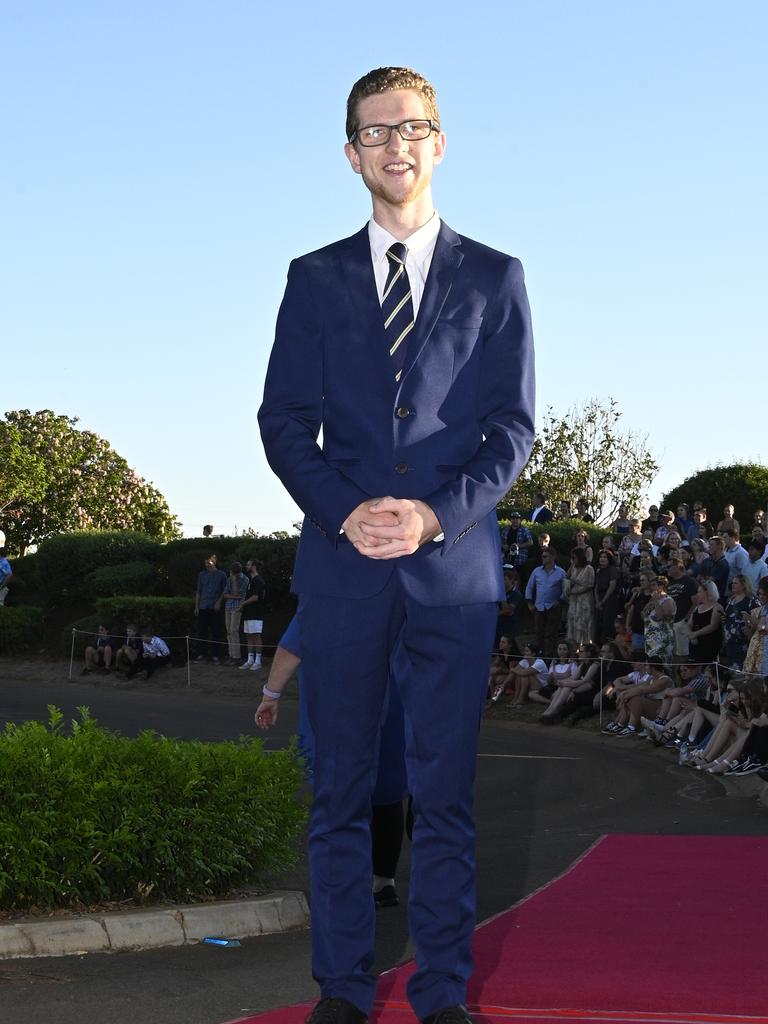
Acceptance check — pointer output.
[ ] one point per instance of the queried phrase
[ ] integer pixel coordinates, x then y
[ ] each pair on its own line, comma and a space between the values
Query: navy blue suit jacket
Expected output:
455, 432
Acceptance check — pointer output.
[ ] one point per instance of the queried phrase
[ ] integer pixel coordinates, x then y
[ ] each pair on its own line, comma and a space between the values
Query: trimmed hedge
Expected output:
20, 627
743, 485
65, 562
135, 578
93, 816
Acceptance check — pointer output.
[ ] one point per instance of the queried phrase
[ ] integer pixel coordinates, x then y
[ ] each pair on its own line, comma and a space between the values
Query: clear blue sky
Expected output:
157, 176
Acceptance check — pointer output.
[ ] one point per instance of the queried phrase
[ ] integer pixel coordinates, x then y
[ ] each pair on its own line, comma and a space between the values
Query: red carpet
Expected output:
661, 929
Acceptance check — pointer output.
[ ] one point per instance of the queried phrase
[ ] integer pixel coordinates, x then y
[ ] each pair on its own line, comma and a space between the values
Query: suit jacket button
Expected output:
402, 412
401, 467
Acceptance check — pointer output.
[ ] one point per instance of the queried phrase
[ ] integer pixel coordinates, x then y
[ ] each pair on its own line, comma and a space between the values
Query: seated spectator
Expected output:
581, 540
564, 510
678, 701
643, 699
608, 544
728, 522
754, 753
735, 555
155, 653
639, 676
516, 541
6, 572
130, 651
99, 655
544, 594
592, 672
500, 677
613, 667
725, 745
756, 569
737, 615
621, 523
542, 542
567, 675
531, 678
705, 622
509, 608
582, 511
579, 590
659, 616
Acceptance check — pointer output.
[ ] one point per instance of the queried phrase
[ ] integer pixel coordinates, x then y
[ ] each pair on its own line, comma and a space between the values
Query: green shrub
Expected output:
20, 627
93, 816
135, 578
743, 485
24, 585
66, 560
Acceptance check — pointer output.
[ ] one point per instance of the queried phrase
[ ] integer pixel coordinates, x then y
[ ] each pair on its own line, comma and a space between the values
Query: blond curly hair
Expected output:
386, 80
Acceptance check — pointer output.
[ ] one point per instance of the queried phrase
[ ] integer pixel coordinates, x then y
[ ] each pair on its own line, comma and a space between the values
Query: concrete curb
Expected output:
149, 929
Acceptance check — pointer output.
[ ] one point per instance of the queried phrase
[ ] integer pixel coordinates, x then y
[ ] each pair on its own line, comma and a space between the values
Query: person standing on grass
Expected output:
234, 593
211, 583
252, 610
410, 347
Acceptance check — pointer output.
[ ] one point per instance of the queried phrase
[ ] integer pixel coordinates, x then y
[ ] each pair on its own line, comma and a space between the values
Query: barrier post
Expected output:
189, 676
72, 654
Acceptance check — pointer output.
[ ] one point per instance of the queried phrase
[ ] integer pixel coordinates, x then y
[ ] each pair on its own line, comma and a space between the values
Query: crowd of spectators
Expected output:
663, 629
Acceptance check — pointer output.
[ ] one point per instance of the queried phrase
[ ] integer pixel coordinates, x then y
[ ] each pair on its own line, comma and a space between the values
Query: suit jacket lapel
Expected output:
446, 260
356, 272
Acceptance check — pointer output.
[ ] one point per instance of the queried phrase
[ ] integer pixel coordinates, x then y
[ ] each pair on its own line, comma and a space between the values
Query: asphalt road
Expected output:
544, 794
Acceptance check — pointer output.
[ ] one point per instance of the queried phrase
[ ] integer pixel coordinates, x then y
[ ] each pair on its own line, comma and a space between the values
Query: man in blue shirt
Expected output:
211, 584
544, 595
5, 574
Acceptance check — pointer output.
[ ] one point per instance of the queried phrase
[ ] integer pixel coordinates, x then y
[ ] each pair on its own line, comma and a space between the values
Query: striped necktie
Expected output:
397, 306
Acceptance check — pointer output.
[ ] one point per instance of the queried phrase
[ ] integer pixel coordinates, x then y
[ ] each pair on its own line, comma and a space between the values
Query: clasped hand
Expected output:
390, 527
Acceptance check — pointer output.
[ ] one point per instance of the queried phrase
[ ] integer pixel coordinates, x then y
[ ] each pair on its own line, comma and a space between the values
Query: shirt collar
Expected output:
419, 243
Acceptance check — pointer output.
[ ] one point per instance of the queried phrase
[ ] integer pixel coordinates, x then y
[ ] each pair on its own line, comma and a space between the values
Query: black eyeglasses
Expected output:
380, 134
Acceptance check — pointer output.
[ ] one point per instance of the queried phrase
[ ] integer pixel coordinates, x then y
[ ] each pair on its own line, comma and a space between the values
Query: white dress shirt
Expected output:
420, 249
420, 246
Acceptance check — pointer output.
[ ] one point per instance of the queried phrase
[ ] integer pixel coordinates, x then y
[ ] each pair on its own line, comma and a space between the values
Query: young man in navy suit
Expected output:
410, 347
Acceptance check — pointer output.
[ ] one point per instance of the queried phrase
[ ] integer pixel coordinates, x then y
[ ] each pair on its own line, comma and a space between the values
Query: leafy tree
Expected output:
22, 471
585, 453
743, 485
58, 478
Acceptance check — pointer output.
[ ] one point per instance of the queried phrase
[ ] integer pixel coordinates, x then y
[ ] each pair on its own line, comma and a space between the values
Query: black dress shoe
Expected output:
386, 897
449, 1015
336, 1011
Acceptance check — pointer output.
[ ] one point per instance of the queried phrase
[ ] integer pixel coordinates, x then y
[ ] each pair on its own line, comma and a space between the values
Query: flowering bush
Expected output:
65, 479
